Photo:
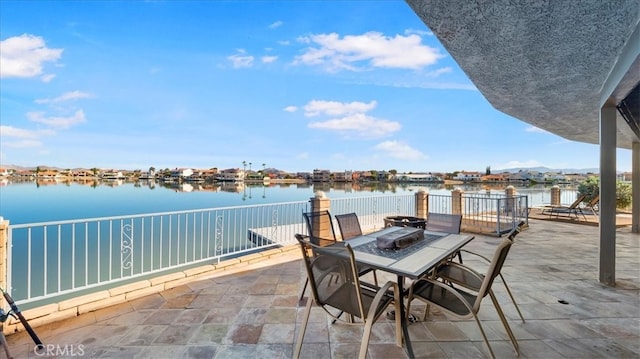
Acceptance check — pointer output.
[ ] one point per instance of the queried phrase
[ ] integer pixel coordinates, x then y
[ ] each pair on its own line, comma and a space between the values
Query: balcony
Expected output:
252, 311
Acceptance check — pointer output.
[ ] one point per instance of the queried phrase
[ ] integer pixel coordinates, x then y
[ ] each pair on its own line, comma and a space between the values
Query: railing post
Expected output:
510, 193
422, 204
555, 195
456, 201
4, 238
320, 226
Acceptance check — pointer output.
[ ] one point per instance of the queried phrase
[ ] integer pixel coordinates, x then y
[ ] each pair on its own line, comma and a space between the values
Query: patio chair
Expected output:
326, 237
349, 225
462, 303
336, 286
452, 272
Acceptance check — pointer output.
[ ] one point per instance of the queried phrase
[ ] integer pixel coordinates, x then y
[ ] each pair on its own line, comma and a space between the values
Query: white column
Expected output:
607, 258
635, 182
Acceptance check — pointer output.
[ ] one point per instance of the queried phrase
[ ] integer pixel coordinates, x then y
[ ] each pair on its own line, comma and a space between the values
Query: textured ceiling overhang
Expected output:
543, 62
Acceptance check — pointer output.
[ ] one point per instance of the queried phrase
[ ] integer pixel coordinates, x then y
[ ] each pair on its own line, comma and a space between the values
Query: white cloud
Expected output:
23, 56
334, 108
22, 144
372, 49
400, 150
302, 156
241, 59
269, 59
57, 122
10, 131
73, 95
291, 109
358, 124
418, 32
276, 24
284, 42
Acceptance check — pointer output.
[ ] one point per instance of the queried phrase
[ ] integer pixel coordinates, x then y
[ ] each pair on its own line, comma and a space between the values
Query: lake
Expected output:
33, 202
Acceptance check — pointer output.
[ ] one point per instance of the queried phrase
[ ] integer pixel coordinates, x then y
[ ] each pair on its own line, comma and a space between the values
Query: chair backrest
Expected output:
499, 256
333, 276
349, 225
320, 227
594, 201
443, 222
577, 202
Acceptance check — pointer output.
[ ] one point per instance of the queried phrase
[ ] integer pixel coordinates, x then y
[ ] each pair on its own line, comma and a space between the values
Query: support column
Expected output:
321, 226
422, 204
635, 183
555, 196
607, 257
457, 207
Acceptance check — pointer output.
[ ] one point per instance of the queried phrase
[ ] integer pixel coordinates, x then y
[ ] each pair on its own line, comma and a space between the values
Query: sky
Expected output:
292, 85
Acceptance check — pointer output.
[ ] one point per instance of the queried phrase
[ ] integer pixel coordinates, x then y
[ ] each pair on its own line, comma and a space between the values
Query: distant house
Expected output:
321, 175
346, 176
495, 178
468, 176
230, 175
112, 174
181, 173
417, 177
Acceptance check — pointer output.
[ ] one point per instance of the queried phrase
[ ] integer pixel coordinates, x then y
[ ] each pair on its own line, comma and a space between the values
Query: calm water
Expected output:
30, 202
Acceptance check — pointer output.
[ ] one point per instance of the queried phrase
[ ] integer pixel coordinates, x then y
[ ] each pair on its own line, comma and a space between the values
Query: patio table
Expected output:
412, 262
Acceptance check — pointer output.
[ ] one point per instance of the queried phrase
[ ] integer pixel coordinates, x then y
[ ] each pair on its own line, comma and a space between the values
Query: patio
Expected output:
552, 270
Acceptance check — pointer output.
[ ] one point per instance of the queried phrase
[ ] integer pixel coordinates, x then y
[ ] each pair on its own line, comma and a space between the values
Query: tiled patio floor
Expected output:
255, 314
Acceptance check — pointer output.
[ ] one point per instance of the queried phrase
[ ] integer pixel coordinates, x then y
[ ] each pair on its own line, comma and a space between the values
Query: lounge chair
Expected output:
573, 209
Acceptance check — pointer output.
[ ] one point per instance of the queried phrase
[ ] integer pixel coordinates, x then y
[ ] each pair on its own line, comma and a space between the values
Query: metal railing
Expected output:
56, 258
52, 259
371, 211
484, 212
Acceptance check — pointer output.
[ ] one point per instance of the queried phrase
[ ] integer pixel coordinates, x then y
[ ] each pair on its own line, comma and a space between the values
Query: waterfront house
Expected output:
230, 175
466, 176
321, 175
346, 176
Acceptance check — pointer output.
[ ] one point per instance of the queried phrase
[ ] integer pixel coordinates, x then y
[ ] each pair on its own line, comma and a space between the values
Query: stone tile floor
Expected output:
255, 313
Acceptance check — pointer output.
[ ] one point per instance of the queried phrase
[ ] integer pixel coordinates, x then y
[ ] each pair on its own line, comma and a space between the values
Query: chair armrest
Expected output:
476, 254
381, 293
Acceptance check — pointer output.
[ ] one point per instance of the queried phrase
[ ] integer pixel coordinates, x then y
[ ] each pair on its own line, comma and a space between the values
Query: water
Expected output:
30, 202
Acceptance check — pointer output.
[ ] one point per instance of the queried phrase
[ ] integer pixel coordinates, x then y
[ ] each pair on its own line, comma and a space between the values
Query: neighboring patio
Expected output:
552, 270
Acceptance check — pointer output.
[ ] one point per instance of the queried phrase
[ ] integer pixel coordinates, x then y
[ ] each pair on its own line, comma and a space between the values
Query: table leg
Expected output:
403, 319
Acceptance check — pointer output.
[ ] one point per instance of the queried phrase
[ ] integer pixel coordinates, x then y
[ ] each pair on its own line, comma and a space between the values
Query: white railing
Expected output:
371, 211
48, 260
57, 258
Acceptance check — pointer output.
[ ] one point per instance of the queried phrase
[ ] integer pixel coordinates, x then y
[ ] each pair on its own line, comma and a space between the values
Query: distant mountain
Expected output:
547, 169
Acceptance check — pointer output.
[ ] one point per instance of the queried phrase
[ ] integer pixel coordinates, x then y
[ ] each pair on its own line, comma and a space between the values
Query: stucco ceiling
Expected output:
547, 63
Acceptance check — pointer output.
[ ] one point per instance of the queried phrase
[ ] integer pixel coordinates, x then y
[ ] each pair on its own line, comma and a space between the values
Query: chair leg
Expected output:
513, 300
304, 289
303, 328
484, 336
503, 319
375, 278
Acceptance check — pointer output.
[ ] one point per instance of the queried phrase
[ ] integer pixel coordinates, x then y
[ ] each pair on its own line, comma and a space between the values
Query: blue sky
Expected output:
296, 85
